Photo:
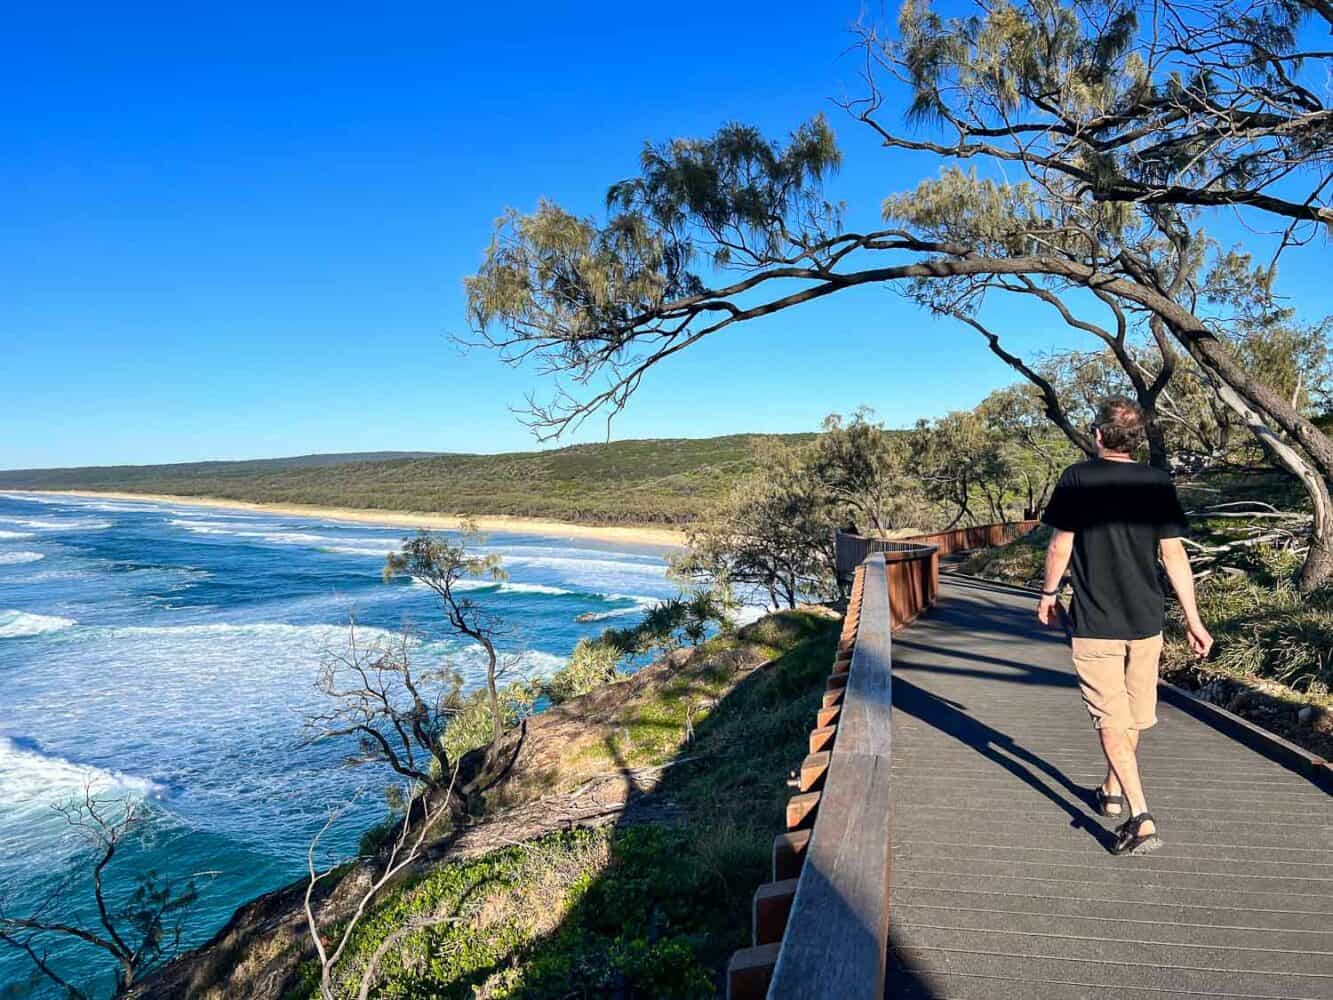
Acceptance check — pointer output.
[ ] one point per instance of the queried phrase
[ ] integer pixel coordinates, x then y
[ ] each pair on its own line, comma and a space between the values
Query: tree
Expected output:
404, 851
1034, 453
443, 566
1125, 122
397, 711
954, 457
139, 931
863, 468
773, 530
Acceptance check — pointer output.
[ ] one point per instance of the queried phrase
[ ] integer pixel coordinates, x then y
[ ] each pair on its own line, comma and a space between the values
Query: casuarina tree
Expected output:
1098, 138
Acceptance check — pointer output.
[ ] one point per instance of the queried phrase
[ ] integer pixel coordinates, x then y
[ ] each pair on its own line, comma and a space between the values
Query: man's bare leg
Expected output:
1120, 746
1111, 786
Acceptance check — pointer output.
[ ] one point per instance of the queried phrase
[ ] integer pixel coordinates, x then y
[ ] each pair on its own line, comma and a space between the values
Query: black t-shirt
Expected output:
1118, 512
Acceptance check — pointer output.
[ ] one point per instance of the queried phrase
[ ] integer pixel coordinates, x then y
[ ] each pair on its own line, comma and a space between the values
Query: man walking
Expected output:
1114, 516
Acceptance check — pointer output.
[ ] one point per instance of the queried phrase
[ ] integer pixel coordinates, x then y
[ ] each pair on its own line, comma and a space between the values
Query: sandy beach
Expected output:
671, 537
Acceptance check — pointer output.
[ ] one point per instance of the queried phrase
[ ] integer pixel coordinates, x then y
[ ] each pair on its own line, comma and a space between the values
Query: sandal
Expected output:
1128, 840
1104, 803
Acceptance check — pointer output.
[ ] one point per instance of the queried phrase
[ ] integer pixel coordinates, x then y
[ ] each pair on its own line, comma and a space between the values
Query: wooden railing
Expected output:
820, 927
850, 550
978, 536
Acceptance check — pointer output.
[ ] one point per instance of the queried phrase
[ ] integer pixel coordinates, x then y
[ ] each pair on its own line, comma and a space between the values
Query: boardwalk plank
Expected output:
1002, 886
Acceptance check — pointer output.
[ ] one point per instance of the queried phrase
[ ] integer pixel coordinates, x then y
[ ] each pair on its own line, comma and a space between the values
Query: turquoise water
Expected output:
167, 654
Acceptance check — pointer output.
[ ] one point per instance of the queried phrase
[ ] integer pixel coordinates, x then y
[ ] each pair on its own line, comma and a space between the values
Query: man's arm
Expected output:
1057, 561
1177, 563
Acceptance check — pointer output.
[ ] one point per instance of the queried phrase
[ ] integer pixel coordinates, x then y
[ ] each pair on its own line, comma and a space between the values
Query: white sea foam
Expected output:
570, 564
640, 605
15, 534
33, 780
356, 550
279, 535
16, 558
49, 524
23, 624
748, 613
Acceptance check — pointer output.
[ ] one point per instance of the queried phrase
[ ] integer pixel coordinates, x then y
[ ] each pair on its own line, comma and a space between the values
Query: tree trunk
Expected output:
1214, 357
1318, 567
493, 694
1157, 450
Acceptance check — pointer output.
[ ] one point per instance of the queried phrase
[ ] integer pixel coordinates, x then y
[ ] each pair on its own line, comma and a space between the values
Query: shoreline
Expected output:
660, 536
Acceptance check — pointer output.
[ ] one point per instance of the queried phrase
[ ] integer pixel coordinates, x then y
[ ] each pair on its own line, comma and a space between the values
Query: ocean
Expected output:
166, 654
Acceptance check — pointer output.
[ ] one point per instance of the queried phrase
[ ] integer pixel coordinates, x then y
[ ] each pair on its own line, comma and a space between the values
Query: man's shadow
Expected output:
1000, 748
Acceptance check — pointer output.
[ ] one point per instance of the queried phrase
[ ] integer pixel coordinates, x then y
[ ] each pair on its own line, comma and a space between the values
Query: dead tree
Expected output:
138, 932
407, 850
397, 712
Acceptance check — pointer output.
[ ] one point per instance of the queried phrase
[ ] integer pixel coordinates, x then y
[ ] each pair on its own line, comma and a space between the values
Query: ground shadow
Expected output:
1003, 750
672, 903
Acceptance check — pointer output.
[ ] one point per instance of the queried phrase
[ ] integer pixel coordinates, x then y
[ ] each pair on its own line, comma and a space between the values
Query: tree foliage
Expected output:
1120, 123
863, 468
773, 531
446, 568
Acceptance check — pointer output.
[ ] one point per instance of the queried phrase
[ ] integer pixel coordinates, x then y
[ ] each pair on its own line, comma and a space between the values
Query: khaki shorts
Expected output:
1118, 678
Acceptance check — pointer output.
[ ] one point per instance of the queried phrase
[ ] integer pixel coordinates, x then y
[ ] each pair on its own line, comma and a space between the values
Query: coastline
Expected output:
662, 536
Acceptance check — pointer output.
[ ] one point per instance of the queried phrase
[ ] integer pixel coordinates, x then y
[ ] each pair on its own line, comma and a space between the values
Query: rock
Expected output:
1306, 715
1243, 701
1323, 722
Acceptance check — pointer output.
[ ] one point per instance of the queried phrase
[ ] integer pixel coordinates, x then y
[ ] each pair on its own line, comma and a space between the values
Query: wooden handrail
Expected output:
834, 946
850, 550
821, 925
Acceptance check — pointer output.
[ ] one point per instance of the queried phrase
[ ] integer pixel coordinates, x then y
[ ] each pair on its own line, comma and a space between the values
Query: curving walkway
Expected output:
1002, 887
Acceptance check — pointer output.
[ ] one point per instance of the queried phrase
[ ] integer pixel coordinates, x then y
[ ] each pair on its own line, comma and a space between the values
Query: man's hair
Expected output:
1121, 422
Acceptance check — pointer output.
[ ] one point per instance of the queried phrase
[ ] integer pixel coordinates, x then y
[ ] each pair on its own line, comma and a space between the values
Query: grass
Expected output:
632, 910
656, 481
1020, 562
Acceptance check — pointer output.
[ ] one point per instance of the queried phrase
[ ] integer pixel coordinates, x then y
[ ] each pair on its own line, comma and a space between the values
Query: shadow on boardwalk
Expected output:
1002, 886
1004, 751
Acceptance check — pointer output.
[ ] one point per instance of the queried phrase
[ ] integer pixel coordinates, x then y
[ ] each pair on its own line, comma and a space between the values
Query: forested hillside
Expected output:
664, 481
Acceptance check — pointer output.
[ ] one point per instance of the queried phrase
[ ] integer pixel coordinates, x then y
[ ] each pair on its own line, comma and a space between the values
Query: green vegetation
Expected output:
658, 481
1271, 630
1273, 653
774, 527
644, 910
1021, 562
666, 626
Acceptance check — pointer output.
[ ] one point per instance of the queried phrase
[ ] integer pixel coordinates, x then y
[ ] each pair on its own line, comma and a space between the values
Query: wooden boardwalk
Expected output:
1002, 885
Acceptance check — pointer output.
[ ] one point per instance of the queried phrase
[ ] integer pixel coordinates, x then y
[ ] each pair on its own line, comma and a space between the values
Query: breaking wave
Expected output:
48, 524
23, 624
32, 779
17, 558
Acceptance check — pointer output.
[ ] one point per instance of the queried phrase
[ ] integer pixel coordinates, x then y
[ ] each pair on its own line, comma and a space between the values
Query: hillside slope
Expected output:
654, 481
614, 851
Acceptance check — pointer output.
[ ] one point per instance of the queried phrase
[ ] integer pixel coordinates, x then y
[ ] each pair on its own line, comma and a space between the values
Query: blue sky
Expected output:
242, 232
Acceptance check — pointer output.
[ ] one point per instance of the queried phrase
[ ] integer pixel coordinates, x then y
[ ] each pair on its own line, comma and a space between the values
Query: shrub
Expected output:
593, 663
1263, 626
665, 626
471, 726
